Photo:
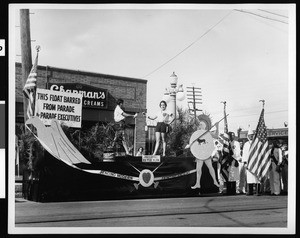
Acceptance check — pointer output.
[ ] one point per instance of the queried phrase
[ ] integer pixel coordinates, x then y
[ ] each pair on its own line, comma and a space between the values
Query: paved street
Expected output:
206, 211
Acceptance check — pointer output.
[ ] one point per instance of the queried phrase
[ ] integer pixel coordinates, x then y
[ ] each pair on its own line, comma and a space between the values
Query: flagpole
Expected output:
29, 90
225, 118
225, 131
37, 48
263, 103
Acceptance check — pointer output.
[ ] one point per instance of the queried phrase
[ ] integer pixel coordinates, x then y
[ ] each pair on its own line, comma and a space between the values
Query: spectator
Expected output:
276, 159
234, 167
140, 151
284, 171
242, 172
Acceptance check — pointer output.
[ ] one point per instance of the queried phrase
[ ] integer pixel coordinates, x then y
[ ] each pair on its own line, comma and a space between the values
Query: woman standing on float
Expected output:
163, 119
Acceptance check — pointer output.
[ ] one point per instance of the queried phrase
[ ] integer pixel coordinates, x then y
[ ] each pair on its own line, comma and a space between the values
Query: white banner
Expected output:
62, 106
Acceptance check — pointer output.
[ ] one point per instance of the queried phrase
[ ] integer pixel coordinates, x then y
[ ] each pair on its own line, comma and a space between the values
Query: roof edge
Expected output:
41, 67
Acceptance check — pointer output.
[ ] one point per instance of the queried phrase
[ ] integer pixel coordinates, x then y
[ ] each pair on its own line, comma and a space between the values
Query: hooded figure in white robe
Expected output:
251, 178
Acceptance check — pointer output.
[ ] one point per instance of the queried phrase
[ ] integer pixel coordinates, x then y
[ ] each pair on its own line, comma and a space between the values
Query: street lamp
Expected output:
173, 93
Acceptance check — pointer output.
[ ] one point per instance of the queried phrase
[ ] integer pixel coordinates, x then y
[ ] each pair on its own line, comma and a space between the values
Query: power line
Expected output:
249, 109
258, 113
273, 13
186, 47
278, 111
272, 19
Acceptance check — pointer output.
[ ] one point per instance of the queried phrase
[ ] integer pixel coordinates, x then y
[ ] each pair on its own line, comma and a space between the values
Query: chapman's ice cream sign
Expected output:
64, 107
92, 97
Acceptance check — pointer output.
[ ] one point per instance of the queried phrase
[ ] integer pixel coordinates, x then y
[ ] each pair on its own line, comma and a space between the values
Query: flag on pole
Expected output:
227, 151
225, 122
227, 154
30, 87
259, 161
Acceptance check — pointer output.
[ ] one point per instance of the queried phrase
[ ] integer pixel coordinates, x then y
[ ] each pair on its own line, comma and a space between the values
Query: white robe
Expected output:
251, 178
234, 174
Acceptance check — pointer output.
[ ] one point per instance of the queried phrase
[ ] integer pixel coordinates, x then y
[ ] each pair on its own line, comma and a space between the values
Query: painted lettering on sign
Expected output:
275, 133
61, 106
92, 97
116, 175
151, 158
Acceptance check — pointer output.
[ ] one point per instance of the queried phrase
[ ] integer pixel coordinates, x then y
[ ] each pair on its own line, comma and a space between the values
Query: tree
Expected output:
180, 135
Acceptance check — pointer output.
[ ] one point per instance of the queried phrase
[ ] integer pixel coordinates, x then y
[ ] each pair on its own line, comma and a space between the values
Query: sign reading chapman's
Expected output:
93, 97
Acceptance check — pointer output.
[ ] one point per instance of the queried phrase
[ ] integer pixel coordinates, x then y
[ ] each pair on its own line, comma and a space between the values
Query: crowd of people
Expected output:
275, 182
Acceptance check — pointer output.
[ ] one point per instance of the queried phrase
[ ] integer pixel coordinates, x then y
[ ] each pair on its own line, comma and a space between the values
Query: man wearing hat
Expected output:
250, 178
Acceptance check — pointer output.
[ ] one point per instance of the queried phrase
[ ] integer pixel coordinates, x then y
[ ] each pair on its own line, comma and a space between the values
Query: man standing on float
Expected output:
119, 117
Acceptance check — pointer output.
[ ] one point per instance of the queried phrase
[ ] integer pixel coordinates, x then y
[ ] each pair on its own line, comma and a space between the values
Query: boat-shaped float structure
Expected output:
64, 174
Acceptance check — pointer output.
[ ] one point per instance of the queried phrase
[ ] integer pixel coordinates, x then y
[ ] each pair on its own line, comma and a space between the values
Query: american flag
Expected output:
259, 161
226, 155
30, 88
227, 151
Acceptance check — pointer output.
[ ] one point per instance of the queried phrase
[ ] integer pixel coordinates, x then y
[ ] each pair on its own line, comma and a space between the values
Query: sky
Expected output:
233, 56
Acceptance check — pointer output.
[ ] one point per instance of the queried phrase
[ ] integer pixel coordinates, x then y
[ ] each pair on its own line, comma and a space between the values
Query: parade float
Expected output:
58, 170
62, 173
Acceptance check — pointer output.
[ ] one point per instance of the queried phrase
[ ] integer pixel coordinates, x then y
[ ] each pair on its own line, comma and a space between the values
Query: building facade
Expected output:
272, 135
100, 91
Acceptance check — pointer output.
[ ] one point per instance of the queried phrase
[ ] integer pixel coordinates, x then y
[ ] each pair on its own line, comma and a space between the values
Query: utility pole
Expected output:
25, 51
194, 98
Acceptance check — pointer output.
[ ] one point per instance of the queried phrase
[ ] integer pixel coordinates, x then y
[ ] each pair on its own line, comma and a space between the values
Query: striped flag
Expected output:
226, 159
30, 88
227, 151
259, 161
